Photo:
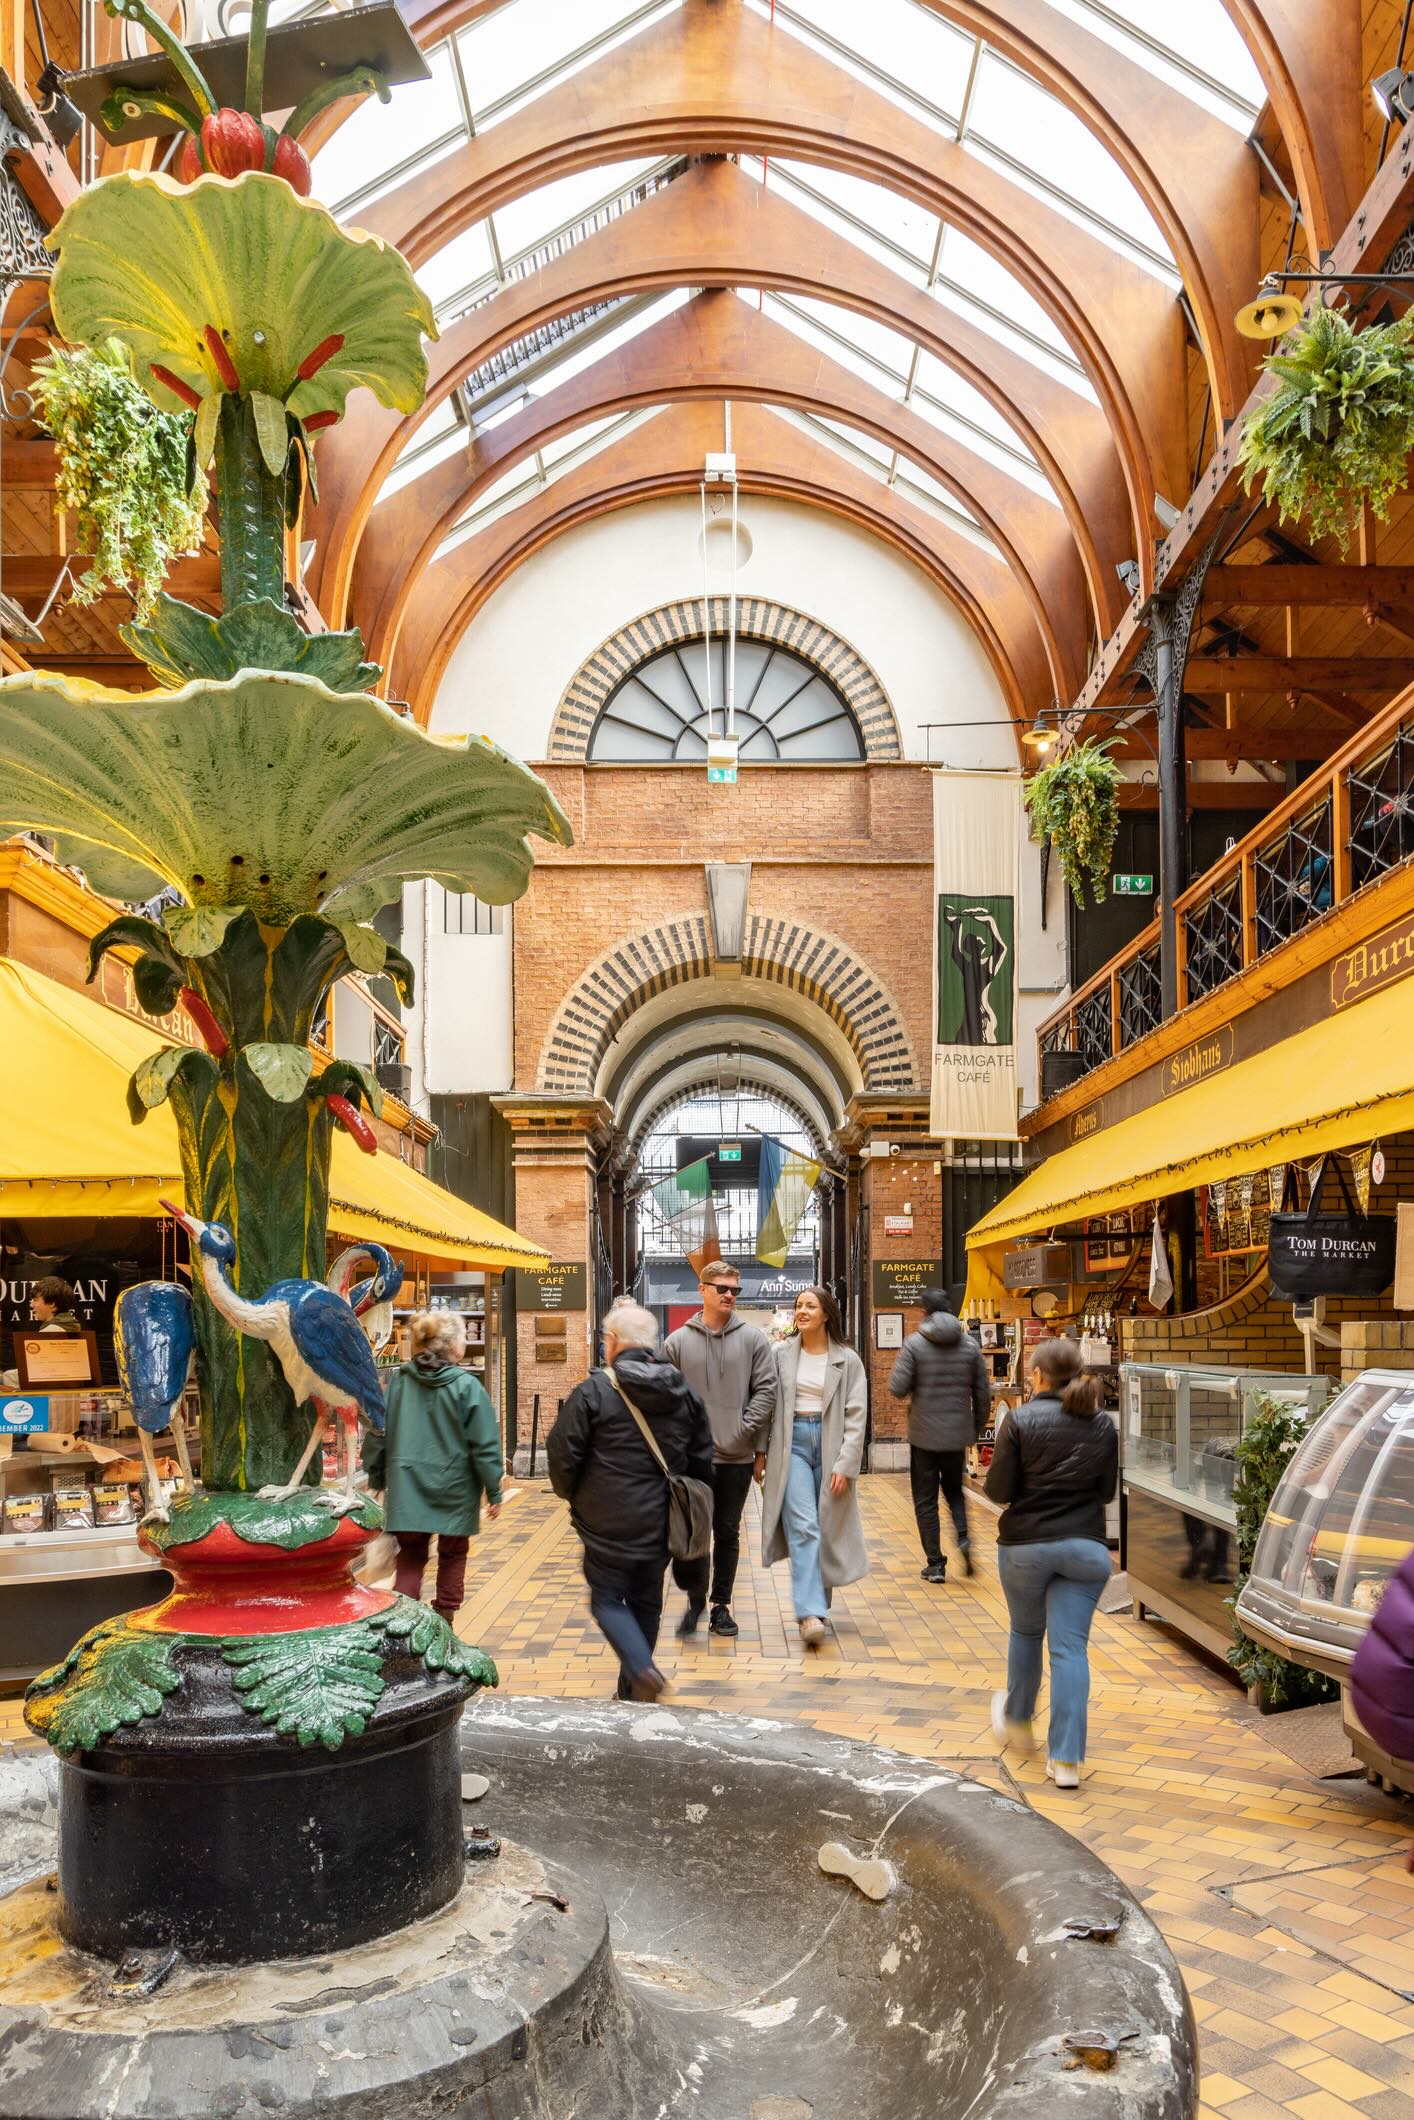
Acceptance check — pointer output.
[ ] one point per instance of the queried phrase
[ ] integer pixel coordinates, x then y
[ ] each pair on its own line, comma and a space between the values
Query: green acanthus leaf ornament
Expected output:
240, 287
183, 642
238, 795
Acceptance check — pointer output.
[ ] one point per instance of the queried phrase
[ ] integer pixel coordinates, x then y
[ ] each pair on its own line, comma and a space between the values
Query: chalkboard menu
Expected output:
899, 1283
550, 1287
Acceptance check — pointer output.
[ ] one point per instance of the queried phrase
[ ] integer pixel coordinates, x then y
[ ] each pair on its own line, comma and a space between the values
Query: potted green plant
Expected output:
1074, 802
1268, 1444
1339, 429
126, 471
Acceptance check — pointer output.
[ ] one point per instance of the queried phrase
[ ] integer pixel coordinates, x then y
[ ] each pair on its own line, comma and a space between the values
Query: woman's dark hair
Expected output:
1064, 1373
54, 1289
834, 1323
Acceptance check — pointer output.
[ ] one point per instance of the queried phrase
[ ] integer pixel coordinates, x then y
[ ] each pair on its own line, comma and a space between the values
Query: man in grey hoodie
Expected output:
728, 1364
943, 1376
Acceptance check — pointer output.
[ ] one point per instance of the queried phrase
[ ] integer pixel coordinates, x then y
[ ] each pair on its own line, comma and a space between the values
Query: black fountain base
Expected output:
265, 1848
1004, 1974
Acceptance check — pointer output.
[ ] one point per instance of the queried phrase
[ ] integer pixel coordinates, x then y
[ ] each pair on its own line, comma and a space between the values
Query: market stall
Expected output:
81, 1193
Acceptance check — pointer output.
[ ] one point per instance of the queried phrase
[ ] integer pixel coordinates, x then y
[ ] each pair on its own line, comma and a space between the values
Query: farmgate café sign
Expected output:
1373, 964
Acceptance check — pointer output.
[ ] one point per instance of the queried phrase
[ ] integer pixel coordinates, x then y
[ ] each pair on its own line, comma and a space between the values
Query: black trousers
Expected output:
731, 1484
626, 1599
928, 1470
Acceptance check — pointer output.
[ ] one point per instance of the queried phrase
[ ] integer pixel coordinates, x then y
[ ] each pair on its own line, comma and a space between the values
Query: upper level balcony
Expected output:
1242, 924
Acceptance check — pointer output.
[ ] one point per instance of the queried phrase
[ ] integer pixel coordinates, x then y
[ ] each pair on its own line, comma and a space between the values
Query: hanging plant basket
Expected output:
1338, 432
1074, 804
126, 471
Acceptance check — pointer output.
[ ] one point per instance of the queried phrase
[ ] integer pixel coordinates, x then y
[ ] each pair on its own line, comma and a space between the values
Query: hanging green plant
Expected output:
1074, 802
126, 471
1339, 430
1269, 1442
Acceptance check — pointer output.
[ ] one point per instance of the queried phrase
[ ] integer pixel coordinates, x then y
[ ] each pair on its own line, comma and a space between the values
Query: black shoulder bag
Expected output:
689, 1501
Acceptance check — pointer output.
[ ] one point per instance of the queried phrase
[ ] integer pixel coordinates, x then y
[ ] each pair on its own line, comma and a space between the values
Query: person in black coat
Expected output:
1055, 1466
618, 1497
942, 1373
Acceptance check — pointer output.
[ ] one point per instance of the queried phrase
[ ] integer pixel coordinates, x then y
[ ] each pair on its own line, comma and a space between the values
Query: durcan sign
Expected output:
1374, 964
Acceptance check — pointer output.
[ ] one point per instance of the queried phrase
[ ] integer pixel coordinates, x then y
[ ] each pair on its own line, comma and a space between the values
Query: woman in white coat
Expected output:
810, 1504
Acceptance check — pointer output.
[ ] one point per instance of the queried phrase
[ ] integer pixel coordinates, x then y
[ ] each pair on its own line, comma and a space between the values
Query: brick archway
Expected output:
781, 952
757, 618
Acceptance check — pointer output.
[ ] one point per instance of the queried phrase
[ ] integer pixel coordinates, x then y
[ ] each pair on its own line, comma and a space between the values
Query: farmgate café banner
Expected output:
976, 850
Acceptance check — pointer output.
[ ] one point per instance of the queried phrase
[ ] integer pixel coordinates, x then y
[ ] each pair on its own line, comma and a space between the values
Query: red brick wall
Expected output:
888, 1183
847, 852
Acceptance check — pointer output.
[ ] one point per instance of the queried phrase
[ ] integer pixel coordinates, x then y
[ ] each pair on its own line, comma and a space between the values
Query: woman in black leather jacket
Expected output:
1055, 1466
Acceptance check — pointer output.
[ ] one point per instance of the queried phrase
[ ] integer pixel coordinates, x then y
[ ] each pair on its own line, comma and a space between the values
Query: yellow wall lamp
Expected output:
1273, 312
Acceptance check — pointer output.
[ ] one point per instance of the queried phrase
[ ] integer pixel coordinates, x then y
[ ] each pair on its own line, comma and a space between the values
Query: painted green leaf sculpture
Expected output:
183, 642
297, 1520
274, 276
428, 1635
114, 1675
319, 1686
267, 791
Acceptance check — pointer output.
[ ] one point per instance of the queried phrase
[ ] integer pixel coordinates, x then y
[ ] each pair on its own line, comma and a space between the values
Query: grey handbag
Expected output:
689, 1501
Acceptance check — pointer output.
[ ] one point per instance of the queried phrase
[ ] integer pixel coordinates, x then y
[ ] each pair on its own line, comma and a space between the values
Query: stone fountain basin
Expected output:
657, 1939
778, 1992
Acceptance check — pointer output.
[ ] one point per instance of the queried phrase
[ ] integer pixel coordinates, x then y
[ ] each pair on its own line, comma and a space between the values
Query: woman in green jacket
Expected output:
438, 1454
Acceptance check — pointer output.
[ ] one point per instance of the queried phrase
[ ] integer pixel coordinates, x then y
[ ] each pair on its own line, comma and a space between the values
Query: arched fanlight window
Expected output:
786, 708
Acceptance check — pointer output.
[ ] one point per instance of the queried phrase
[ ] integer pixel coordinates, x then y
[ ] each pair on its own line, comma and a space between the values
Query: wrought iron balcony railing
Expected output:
1342, 830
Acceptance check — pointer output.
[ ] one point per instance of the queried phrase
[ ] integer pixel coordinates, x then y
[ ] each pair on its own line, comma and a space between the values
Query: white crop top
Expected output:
810, 1384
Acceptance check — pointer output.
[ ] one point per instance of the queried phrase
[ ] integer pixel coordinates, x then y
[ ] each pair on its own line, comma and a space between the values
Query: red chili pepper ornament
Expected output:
353, 1122
217, 1043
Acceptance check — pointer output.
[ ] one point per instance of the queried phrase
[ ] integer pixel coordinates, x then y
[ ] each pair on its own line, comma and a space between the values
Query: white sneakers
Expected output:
1020, 1737
812, 1632
1016, 1734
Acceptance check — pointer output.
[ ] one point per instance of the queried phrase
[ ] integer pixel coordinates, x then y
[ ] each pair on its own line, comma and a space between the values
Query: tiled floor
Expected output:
1285, 1899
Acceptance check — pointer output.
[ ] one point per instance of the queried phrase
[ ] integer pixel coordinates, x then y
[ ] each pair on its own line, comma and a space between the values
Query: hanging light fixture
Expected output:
719, 470
1393, 92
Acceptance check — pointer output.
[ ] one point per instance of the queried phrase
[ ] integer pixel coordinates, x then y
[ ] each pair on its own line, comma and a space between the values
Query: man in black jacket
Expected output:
600, 1464
942, 1374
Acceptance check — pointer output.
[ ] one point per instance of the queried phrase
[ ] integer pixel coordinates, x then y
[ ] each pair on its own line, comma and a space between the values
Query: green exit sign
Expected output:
721, 775
1133, 886
729, 1152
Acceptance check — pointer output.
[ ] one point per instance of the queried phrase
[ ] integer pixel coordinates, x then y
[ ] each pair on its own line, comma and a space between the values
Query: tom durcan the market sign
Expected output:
278, 804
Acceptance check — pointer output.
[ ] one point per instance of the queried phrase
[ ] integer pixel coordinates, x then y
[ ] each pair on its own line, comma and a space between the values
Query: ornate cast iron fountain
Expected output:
284, 804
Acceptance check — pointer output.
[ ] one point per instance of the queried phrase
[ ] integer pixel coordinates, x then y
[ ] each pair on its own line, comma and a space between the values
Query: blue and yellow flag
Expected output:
788, 1177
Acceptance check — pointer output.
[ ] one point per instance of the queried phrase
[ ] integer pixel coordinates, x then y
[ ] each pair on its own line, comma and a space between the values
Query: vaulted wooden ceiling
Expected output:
799, 184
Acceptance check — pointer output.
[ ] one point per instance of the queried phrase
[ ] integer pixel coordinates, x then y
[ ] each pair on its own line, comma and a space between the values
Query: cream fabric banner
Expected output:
976, 854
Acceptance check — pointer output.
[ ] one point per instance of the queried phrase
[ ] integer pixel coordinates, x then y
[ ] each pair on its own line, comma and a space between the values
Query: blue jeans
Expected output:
801, 1514
1052, 1589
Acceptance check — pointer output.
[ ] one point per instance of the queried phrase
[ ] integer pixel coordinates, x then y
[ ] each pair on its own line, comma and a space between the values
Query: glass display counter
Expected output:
70, 1502
1179, 1430
1339, 1525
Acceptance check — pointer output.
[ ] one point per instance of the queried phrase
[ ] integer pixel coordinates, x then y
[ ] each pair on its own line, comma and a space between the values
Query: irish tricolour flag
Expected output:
685, 1204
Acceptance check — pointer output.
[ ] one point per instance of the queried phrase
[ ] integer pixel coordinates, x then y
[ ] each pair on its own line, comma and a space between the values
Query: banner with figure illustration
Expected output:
976, 851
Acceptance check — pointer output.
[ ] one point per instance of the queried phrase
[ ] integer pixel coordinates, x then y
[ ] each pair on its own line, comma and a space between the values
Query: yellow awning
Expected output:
68, 1147
1337, 1083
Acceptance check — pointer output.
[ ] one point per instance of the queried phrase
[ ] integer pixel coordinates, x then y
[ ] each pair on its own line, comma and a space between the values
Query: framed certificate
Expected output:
56, 1361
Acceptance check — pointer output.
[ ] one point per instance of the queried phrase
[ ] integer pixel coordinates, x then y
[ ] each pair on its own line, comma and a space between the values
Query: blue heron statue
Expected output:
156, 1342
314, 1336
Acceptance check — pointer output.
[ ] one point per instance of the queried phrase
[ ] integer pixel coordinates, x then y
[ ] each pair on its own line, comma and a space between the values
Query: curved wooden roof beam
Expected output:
664, 456
718, 346
1197, 176
713, 79
1308, 54
717, 227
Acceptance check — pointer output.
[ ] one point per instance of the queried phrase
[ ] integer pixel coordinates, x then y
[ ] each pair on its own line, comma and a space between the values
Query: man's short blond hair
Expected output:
718, 1270
631, 1325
